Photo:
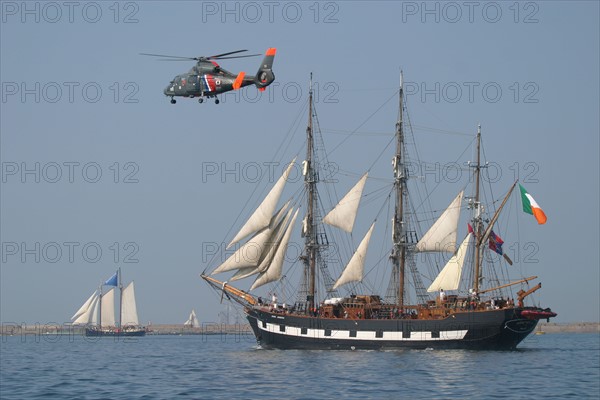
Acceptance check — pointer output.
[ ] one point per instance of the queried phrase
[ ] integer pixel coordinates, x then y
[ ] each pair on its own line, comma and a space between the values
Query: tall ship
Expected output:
98, 314
466, 301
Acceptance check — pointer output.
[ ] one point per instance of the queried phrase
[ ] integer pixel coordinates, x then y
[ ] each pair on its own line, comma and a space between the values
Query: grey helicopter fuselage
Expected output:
208, 79
204, 81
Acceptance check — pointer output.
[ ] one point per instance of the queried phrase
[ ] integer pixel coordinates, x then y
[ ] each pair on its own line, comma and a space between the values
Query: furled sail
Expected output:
250, 253
344, 213
192, 321
273, 272
262, 216
442, 234
354, 270
129, 314
449, 276
84, 307
89, 314
108, 308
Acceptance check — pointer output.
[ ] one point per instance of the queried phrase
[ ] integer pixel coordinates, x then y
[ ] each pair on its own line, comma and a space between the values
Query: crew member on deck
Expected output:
442, 296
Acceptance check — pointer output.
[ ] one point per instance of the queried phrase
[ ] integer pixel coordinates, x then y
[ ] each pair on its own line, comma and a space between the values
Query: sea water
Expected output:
233, 366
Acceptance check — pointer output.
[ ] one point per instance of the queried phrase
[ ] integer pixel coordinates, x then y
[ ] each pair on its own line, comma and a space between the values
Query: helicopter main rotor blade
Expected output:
222, 56
226, 54
162, 55
228, 58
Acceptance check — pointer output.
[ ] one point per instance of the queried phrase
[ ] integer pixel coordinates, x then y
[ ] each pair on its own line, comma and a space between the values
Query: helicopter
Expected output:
208, 79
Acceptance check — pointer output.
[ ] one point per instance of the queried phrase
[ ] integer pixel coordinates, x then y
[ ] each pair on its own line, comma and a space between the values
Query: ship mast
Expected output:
100, 307
399, 249
477, 219
120, 298
310, 183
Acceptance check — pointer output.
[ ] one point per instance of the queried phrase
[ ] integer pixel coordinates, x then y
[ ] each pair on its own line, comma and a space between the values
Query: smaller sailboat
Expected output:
98, 312
192, 321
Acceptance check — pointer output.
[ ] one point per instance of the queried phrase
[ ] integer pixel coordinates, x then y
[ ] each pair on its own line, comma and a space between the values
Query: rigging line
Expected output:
381, 153
320, 147
518, 236
420, 128
364, 122
433, 164
370, 89
430, 130
330, 131
376, 265
419, 162
351, 174
487, 173
418, 157
384, 204
438, 184
293, 128
384, 250
374, 195
250, 198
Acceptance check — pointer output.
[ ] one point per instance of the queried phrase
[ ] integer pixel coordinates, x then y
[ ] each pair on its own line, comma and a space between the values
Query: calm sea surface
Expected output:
168, 367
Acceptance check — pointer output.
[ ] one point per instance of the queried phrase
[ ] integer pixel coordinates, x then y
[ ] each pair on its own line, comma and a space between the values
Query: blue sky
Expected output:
120, 171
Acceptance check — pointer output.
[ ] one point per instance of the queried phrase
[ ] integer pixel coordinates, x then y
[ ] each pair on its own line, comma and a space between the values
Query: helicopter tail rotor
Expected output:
264, 76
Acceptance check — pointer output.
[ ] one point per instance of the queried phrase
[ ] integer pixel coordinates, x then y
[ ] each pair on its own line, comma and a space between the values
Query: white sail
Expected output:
262, 216
268, 252
244, 273
192, 321
247, 255
250, 253
88, 315
84, 307
449, 276
354, 270
273, 272
344, 213
108, 308
129, 314
94, 312
274, 243
442, 234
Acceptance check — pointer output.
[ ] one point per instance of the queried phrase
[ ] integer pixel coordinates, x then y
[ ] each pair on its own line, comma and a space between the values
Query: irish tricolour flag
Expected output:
530, 206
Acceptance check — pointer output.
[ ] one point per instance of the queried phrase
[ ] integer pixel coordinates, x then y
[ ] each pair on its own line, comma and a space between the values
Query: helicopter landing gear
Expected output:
217, 101
173, 101
200, 100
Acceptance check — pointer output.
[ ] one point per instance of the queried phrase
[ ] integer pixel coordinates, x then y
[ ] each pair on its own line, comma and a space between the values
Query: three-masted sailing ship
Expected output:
98, 315
465, 310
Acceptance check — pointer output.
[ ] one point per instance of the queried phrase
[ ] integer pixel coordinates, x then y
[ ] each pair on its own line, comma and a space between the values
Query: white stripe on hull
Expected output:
362, 335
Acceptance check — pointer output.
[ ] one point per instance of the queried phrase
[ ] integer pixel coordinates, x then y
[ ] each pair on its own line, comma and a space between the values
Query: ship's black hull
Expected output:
500, 329
128, 333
